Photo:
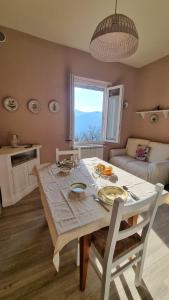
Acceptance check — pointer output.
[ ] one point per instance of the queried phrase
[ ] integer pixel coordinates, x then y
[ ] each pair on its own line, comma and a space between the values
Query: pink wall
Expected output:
35, 68
152, 90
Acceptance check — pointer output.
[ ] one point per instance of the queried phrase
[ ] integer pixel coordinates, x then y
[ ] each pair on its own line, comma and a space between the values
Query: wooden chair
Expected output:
76, 153
118, 247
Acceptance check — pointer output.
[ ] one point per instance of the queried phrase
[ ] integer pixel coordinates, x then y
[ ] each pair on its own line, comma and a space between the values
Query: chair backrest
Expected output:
76, 153
145, 208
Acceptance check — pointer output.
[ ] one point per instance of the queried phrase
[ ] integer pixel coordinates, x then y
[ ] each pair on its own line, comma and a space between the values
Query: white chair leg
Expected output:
78, 254
105, 290
139, 270
105, 287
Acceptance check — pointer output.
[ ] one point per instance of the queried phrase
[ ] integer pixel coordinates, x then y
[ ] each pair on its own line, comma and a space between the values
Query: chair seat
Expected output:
99, 239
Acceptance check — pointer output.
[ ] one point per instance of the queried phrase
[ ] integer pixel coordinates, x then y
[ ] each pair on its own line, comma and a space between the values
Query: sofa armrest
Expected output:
159, 172
160, 163
118, 152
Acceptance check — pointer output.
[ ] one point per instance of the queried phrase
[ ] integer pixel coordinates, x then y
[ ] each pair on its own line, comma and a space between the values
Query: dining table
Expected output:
72, 216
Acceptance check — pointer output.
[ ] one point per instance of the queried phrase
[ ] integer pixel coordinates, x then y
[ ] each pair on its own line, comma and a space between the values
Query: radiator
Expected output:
92, 151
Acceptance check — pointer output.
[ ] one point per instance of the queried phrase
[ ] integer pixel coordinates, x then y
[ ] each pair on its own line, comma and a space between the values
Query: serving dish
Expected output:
109, 193
103, 170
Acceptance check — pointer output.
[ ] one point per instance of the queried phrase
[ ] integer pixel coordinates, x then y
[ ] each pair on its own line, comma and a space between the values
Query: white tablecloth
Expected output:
70, 218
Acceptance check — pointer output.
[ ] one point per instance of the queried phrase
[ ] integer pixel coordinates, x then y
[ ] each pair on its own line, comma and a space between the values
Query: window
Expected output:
88, 109
96, 111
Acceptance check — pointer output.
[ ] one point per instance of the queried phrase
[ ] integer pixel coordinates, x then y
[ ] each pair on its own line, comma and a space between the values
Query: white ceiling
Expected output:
72, 22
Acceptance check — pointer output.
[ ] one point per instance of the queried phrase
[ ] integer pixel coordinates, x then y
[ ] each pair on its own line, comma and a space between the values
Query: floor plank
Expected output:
27, 272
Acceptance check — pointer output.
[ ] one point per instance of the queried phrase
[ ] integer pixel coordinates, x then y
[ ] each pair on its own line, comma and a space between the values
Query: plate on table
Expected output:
104, 170
78, 187
109, 193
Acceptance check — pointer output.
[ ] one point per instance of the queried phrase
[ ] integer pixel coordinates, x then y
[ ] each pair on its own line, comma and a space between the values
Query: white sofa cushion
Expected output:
121, 161
139, 168
158, 152
132, 144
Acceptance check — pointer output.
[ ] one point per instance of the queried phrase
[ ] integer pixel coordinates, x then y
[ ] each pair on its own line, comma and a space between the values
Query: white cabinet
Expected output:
32, 180
20, 178
16, 173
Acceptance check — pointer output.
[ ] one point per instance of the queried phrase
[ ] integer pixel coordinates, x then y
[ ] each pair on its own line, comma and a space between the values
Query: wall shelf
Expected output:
165, 112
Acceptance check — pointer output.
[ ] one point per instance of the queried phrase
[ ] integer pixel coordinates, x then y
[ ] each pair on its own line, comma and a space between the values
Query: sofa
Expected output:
155, 169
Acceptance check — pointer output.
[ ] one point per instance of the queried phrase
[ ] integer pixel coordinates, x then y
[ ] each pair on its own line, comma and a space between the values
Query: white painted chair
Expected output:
76, 153
118, 247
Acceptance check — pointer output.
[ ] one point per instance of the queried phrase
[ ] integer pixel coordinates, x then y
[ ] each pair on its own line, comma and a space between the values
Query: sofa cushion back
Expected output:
132, 144
158, 152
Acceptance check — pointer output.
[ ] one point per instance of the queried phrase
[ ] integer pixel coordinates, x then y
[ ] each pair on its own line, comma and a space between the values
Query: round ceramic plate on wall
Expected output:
34, 106
154, 118
53, 106
2, 37
10, 104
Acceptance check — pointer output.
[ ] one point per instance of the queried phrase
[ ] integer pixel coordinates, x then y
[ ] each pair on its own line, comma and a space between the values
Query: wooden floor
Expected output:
27, 272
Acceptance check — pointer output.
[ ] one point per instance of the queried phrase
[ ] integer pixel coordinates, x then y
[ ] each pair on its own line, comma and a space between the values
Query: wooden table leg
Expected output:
85, 242
133, 220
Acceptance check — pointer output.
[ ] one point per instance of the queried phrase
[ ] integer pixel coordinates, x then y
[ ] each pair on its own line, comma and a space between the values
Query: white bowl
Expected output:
78, 187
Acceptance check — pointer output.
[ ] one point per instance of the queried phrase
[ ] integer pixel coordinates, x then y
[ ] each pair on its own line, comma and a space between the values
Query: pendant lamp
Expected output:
115, 38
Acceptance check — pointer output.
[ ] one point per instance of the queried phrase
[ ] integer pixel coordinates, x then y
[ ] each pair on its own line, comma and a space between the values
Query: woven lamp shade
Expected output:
115, 38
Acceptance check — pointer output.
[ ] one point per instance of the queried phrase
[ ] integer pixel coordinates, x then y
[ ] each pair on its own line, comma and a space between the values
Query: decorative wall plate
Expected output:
154, 118
2, 37
125, 104
10, 104
34, 106
53, 106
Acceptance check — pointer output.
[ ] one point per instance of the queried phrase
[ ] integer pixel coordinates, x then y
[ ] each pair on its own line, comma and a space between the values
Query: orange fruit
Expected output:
107, 171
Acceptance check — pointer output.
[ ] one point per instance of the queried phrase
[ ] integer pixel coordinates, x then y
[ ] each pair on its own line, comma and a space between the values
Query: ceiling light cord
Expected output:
115, 7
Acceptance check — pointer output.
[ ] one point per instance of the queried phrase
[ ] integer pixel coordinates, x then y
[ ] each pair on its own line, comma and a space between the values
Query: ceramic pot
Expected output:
14, 141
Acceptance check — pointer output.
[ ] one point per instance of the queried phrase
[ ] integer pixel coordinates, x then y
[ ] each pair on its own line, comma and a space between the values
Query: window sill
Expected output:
88, 146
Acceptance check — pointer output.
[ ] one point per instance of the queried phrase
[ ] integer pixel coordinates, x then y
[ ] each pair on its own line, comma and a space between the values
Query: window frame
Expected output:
120, 111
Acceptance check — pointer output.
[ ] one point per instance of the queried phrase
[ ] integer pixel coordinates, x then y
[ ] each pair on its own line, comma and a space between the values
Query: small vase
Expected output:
14, 141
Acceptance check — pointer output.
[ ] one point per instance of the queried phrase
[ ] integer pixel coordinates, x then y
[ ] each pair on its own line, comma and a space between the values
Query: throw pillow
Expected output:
142, 152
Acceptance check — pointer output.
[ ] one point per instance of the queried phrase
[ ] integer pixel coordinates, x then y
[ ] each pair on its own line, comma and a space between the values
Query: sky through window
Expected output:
88, 100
